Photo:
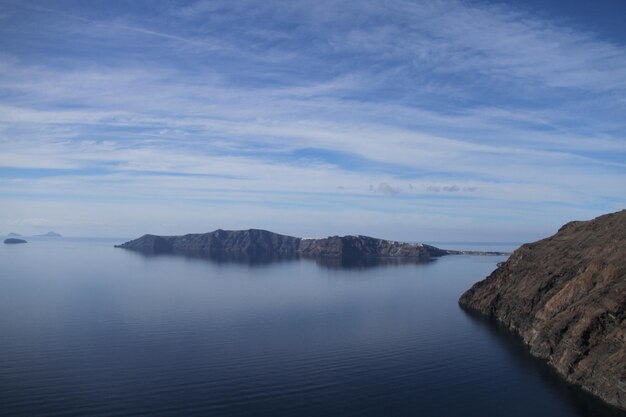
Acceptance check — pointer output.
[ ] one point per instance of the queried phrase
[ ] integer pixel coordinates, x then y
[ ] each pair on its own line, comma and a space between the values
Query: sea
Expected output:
87, 329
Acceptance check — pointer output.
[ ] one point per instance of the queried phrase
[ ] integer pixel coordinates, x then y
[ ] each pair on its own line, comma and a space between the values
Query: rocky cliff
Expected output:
250, 244
261, 245
361, 247
566, 297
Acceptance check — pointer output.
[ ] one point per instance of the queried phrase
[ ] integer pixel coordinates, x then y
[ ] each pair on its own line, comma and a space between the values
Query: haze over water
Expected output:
88, 329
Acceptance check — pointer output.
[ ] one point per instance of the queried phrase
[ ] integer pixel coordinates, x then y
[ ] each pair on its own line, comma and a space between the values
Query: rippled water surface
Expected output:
86, 329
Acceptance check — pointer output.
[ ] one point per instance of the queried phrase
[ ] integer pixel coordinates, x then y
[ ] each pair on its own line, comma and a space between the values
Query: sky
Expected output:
442, 120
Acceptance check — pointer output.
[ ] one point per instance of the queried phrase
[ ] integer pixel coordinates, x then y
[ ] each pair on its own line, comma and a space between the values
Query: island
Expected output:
49, 234
14, 235
566, 297
263, 245
13, 241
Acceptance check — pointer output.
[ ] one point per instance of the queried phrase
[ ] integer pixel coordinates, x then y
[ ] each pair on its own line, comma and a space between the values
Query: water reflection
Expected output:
334, 262
366, 263
92, 330
587, 405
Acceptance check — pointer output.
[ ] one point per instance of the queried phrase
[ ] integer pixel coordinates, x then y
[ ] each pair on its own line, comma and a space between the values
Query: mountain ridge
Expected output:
266, 245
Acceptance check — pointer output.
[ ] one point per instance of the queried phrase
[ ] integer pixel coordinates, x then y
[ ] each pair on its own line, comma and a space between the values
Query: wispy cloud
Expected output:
386, 189
451, 188
457, 109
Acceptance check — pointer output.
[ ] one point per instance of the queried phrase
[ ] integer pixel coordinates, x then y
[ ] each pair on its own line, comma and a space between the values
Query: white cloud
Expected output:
387, 189
467, 101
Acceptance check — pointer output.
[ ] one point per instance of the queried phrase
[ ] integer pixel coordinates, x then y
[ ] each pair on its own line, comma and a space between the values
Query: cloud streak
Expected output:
454, 109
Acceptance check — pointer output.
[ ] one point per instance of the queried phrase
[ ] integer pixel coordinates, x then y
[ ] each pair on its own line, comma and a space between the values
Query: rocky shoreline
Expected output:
566, 297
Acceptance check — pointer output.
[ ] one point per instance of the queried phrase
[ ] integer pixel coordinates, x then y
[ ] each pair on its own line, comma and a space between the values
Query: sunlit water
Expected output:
90, 330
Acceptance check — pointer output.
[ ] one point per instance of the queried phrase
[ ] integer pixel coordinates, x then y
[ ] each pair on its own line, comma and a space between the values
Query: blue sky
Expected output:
412, 120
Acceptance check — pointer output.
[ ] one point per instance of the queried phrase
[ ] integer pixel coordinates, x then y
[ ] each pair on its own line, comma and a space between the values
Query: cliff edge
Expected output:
566, 297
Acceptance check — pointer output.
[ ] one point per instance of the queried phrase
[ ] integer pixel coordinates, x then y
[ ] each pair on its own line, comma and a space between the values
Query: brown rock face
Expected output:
566, 296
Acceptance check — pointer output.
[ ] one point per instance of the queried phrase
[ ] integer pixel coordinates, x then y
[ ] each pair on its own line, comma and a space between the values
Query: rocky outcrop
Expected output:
261, 245
221, 244
13, 241
362, 247
566, 297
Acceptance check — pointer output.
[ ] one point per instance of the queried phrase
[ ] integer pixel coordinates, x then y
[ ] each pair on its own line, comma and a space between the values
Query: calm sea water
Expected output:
90, 330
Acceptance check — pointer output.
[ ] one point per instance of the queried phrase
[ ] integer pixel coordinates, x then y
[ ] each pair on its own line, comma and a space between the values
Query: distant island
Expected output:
13, 241
566, 297
49, 234
262, 245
